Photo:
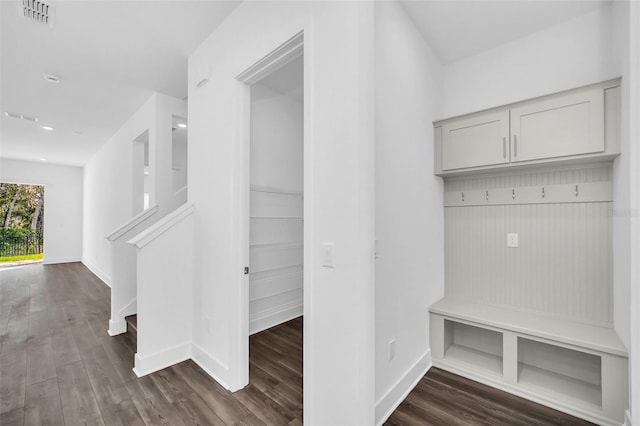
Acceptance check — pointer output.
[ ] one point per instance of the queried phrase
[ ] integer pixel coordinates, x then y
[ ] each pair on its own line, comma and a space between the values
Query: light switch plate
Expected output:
512, 240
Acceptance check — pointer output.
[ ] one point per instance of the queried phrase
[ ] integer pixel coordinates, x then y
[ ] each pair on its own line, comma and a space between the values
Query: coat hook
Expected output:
513, 193
543, 194
462, 196
487, 195
576, 190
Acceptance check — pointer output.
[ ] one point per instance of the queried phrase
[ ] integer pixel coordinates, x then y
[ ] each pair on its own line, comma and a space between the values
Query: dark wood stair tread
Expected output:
132, 326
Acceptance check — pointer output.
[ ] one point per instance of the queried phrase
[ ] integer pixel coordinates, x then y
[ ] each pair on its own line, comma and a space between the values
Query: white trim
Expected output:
287, 52
211, 365
51, 261
387, 404
627, 418
272, 60
531, 395
132, 223
274, 190
97, 272
129, 309
161, 226
117, 327
151, 363
585, 192
276, 316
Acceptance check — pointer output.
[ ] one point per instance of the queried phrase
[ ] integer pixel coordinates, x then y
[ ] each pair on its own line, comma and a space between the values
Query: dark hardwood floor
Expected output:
58, 366
442, 398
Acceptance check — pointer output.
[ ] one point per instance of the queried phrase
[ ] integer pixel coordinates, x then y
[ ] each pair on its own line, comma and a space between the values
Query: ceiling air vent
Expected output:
37, 11
20, 116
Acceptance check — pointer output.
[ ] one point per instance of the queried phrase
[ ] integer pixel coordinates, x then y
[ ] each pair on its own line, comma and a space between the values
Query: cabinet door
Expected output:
481, 140
564, 125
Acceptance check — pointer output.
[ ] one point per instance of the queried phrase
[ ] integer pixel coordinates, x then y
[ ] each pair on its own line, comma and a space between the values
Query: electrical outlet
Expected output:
392, 349
512, 240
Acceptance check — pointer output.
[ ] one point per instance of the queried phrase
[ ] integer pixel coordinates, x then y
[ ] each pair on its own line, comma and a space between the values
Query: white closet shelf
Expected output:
489, 363
560, 386
597, 338
274, 190
278, 245
275, 217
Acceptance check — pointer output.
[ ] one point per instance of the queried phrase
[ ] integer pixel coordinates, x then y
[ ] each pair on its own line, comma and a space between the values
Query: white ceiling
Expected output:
459, 28
110, 57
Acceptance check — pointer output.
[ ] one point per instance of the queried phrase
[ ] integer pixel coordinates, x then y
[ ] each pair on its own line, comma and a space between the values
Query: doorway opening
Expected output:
141, 174
179, 154
276, 224
22, 227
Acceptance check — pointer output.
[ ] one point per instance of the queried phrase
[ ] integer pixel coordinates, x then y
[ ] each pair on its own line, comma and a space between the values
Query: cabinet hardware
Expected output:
543, 192
515, 145
576, 190
246, 270
462, 196
487, 195
513, 193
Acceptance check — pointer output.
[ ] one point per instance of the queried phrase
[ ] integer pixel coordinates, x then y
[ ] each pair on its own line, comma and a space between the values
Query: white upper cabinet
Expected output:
574, 126
476, 141
559, 126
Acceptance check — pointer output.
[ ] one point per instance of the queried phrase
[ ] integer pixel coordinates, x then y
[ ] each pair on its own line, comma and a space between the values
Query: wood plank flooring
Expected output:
58, 366
443, 398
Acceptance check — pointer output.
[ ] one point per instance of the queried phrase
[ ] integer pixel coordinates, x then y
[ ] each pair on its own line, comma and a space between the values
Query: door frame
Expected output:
288, 51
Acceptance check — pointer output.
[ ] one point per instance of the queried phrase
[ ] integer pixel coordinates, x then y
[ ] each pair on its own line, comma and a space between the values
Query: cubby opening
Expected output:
475, 346
557, 370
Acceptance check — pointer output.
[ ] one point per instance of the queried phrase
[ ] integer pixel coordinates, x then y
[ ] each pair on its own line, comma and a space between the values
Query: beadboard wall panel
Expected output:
563, 265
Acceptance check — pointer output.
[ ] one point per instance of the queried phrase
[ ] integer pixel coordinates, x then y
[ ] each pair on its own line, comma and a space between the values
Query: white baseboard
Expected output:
117, 327
627, 418
214, 368
130, 309
387, 404
148, 364
97, 272
541, 398
53, 260
274, 317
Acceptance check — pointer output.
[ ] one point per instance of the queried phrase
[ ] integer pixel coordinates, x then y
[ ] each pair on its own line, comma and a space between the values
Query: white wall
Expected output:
628, 40
276, 226
108, 179
338, 306
62, 205
409, 212
622, 178
165, 298
571, 54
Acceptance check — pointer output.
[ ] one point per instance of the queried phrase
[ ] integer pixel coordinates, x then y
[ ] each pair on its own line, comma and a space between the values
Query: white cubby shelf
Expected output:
580, 369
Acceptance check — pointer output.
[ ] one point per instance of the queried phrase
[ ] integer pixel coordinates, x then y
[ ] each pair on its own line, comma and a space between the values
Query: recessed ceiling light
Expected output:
43, 159
49, 128
51, 78
182, 125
